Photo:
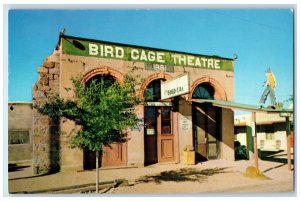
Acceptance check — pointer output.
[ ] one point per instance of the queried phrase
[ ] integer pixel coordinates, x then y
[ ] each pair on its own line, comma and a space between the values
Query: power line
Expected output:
250, 21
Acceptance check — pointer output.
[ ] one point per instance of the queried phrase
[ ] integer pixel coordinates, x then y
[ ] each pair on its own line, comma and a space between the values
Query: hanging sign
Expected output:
175, 87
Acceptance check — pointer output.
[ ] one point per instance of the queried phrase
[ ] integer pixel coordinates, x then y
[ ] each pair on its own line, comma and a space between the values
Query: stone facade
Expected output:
46, 146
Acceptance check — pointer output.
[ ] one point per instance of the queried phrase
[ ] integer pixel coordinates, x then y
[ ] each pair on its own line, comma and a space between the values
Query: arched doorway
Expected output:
115, 154
159, 132
206, 124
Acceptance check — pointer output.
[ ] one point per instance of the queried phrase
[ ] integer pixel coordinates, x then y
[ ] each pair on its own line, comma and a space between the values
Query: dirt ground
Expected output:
216, 176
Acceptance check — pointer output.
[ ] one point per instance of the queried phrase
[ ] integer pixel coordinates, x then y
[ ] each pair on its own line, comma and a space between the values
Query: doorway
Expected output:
113, 155
206, 121
206, 124
158, 134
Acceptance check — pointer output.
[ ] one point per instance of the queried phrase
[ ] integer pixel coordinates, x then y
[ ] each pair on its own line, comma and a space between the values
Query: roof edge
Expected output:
20, 102
138, 46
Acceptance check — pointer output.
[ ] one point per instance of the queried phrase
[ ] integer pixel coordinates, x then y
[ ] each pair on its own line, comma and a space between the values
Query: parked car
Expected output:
240, 151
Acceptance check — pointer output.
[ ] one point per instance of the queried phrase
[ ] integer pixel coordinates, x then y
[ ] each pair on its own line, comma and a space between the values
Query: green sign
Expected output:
105, 50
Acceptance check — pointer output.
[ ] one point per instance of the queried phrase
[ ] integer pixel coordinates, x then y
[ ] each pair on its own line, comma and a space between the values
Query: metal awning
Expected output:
241, 106
254, 109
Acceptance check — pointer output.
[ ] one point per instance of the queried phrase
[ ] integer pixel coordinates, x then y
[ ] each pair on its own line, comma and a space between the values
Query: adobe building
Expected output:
271, 132
19, 131
167, 124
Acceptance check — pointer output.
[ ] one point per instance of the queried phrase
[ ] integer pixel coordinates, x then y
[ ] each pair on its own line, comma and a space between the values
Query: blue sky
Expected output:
261, 38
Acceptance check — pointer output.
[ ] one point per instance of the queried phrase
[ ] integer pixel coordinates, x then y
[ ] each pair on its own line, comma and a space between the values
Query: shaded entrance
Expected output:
287, 113
206, 124
158, 133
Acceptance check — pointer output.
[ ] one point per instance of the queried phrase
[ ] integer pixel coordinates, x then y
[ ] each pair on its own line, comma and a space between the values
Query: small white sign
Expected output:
253, 128
285, 114
185, 123
175, 87
150, 131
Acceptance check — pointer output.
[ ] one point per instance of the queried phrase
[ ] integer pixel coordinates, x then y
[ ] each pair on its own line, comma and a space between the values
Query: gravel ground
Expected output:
216, 176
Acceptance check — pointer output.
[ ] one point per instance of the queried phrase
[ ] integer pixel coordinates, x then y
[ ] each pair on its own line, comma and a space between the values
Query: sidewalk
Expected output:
215, 176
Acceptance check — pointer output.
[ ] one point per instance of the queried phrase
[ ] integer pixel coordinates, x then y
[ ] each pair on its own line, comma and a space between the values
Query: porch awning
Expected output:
241, 106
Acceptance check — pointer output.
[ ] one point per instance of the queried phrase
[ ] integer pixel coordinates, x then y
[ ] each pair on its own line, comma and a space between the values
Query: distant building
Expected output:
270, 128
19, 131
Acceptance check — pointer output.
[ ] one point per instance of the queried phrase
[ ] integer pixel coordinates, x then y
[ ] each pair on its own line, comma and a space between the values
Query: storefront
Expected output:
167, 124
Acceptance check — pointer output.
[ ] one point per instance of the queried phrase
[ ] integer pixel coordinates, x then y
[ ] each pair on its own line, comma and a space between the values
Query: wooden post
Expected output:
254, 139
288, 138
97, 172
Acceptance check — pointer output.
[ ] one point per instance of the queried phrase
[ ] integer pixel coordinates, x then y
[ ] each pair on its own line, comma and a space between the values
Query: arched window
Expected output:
204, 91
108, 79
152, 92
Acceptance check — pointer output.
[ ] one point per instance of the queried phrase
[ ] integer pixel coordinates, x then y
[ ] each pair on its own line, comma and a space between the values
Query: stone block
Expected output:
51, 77
48, 64
56, 77
54, 83
55, 90
34, 87
37, 139
42, 75
38, 94
45, 80
46, 88
42, 70
54, 71
57, 65
39, 85
45, 120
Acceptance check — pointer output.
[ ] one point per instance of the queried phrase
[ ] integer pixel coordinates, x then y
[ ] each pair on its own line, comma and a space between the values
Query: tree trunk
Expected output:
97, 172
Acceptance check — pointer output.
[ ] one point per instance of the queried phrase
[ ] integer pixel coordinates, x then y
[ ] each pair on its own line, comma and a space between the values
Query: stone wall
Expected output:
46, 145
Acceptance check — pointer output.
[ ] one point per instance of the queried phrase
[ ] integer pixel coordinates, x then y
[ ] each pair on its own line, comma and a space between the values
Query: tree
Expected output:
290, 101
104, 109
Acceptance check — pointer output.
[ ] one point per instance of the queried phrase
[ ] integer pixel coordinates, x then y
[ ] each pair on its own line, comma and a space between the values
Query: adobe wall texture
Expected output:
72, 66
20, 119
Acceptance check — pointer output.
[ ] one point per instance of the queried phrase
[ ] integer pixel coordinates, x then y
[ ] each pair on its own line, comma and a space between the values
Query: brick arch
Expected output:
104, 70
150, 79
220, 93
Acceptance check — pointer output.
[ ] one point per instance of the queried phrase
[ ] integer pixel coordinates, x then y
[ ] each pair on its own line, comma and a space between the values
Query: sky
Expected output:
261, 38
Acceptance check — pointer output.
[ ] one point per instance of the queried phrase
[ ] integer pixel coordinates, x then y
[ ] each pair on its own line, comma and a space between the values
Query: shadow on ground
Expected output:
275, 156
12, 167
183, 175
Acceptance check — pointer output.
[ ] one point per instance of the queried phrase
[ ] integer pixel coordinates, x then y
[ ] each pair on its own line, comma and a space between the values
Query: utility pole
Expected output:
254, 139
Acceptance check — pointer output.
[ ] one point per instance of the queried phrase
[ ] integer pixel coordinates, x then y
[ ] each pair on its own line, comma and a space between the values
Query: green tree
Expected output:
290, 101
104, 109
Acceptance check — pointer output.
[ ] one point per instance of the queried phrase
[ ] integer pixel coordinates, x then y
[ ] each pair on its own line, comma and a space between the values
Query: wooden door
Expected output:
165, 137
110, 156
114, 155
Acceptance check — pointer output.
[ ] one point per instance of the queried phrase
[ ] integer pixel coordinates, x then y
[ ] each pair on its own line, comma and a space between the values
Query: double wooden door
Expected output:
110, 156
159, 135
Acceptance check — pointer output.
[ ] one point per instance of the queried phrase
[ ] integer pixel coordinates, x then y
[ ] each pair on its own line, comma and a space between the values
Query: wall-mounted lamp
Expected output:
235, 56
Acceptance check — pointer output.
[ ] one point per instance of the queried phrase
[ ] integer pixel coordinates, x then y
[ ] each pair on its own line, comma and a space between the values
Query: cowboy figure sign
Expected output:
270, 85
